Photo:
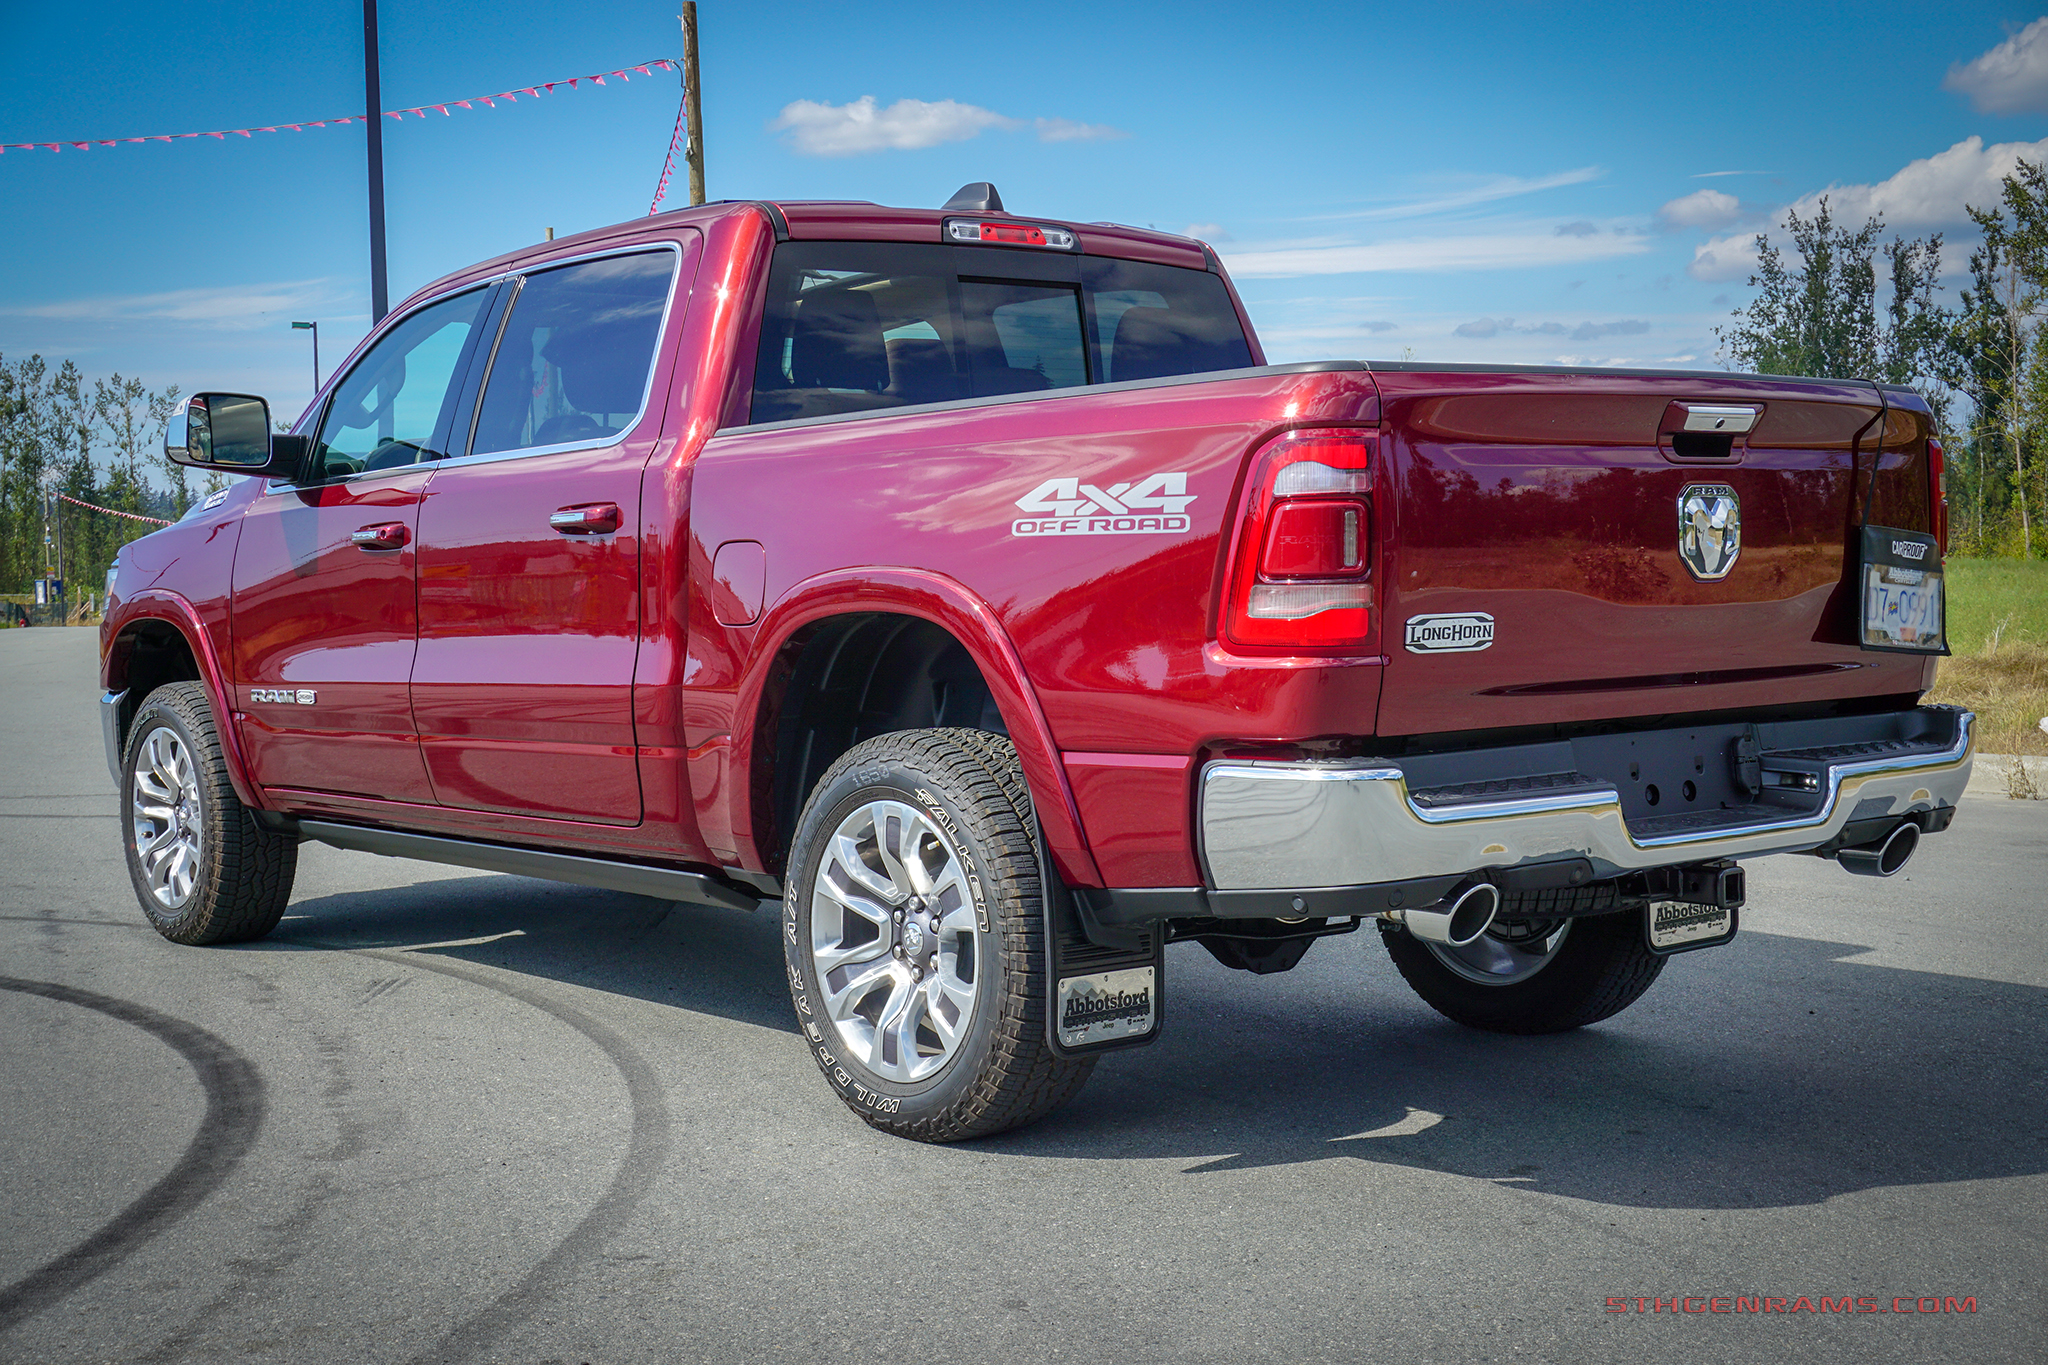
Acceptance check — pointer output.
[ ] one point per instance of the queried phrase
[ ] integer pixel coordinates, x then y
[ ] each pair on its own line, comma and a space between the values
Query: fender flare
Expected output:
175, 611
948, 604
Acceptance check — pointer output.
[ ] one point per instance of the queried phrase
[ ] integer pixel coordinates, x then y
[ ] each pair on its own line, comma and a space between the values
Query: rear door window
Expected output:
856, 326
573, 363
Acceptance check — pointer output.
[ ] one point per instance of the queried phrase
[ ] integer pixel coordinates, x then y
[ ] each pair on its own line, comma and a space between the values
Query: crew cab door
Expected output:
322, 604
529, 551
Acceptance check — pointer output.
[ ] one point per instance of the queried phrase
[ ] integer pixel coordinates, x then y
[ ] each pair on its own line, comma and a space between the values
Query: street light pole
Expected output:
314, 327
373, 110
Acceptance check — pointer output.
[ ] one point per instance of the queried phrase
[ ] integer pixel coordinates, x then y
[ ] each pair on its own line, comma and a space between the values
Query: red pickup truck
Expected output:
969, 584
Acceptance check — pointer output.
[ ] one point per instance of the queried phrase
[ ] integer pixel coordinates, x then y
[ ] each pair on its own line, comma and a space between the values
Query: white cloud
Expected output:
1928, 193
1066, 130
818, 129
2011, 78
236, 306
1485, 192
1528, 246
850, 129
1701, 209
1208, 232
1584, 331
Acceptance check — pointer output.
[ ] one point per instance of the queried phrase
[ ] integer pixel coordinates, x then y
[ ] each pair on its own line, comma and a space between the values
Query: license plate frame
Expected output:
1098, 1008
1676, 926
1901, 593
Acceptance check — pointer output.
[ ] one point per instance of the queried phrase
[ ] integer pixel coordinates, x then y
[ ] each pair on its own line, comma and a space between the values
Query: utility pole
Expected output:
693, 103
373, 108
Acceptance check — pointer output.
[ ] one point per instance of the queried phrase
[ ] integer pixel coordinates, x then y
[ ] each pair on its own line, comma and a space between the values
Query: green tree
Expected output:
2001, 353
1816, 318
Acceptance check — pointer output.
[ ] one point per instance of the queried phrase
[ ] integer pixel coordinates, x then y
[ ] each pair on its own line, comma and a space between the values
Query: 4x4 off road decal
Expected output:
1069, 507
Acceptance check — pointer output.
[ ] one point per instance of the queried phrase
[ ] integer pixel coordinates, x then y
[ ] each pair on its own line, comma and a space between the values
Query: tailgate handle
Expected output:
592, 519
390, 536
1721, 419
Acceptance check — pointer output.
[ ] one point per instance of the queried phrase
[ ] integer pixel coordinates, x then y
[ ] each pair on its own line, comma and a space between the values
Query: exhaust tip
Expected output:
1884, 857
1456, 920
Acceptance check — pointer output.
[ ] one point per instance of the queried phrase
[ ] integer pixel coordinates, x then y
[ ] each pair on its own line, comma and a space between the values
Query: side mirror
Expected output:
231, 432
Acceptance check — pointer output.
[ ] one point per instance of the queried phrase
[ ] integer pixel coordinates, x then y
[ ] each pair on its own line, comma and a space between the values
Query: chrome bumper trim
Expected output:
1270, 825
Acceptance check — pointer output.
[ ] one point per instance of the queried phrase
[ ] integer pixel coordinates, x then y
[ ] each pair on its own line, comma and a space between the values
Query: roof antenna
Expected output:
979, 197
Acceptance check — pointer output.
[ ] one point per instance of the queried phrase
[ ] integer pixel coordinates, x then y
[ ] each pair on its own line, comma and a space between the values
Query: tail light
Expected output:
1937, 493
1301, 576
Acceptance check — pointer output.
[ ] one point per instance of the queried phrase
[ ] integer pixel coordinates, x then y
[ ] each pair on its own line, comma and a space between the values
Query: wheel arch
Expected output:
897, 644
161, 640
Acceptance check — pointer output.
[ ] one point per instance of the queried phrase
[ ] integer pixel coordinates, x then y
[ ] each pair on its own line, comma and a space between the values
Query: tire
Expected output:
1552, 975
933, 1028
203, 869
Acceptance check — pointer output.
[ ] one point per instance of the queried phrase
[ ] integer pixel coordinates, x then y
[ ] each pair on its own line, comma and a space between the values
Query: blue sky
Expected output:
1503, 182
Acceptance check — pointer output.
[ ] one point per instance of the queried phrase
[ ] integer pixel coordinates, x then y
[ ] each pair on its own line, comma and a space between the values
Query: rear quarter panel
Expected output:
1113, 631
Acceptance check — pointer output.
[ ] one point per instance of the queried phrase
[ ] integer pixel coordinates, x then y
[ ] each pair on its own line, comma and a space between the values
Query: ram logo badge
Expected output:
1449, 633
1709, 530
289, 696
1069, 507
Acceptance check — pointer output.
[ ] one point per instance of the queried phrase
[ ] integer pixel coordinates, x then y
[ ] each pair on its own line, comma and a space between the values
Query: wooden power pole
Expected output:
693, 104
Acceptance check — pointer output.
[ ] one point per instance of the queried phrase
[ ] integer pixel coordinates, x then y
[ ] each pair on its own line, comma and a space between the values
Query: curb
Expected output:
1989, 776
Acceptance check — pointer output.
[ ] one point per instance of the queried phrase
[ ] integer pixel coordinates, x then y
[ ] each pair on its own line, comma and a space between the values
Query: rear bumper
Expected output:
1274, 825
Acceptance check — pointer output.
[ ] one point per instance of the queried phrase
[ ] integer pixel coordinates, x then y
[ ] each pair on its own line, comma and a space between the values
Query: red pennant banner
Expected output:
113, 511
659, 64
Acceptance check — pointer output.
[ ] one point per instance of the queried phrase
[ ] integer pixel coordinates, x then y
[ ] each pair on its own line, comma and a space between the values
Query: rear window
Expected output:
855, 326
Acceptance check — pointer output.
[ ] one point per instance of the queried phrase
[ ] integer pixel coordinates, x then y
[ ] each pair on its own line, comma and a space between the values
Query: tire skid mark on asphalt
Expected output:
235, 1105
54, 919
47, 815
646, 1150
289, 1236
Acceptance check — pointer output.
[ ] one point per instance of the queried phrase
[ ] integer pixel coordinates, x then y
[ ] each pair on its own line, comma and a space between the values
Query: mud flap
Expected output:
1103, 997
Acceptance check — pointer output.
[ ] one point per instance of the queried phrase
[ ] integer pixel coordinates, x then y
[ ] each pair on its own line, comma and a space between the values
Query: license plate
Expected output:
1902, 608
1106, 1006
1675, 926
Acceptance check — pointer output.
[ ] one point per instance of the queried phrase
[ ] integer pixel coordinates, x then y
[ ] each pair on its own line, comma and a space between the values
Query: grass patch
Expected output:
2007, 596
1998, 627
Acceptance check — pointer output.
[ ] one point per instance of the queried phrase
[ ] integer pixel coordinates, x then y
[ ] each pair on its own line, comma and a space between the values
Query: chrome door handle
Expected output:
591, 519
390, 536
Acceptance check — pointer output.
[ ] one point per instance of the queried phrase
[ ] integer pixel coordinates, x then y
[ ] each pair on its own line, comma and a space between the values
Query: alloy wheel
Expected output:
895, 942
168, 816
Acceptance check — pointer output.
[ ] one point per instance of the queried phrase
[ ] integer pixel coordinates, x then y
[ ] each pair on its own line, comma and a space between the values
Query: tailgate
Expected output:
1552, 504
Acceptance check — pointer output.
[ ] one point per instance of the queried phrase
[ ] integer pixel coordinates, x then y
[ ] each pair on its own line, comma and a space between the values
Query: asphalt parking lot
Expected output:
449, 1116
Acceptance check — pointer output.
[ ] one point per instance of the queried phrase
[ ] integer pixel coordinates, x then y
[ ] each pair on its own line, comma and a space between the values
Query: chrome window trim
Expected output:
674, 248
1044, 395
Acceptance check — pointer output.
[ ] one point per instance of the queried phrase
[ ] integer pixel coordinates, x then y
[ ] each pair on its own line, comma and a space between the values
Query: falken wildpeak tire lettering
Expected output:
1602, 967
242, 875
999, 1072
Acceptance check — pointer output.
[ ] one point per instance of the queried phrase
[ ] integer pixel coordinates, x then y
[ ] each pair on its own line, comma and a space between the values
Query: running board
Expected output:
662, 882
